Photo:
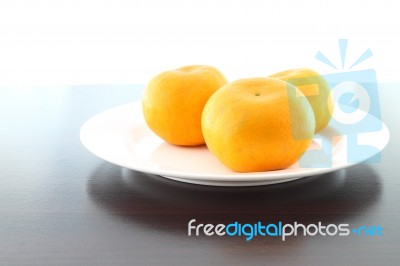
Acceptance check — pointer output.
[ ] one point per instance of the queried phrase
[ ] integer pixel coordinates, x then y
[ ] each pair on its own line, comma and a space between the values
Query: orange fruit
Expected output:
174, 100
258, 124
315, 88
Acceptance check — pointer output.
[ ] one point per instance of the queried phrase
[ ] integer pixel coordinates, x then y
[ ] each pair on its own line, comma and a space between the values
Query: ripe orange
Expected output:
315, 88
258, 124
174, 100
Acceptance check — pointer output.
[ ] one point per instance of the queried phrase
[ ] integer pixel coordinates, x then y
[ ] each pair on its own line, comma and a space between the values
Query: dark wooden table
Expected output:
61, 205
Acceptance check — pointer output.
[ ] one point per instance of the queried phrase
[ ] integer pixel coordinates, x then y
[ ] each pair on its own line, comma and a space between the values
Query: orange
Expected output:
258, 124
315, 88
174, 100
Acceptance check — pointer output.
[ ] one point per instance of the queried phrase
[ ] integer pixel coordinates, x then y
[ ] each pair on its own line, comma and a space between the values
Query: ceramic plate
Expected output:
121, 136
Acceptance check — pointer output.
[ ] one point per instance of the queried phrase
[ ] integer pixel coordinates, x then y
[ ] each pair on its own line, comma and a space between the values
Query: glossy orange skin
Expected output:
257, 124
315, 88
173, 102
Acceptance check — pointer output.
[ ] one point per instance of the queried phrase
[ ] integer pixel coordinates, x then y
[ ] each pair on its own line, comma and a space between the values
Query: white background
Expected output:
121, 42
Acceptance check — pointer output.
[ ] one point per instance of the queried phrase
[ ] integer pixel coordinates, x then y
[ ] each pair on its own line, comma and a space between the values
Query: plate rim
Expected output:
232, 177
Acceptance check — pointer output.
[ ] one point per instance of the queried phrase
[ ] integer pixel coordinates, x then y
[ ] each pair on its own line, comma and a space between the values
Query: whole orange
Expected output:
258, 124
173, 102
315, 88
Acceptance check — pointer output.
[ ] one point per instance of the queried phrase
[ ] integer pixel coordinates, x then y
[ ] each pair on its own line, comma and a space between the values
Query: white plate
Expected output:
121, 136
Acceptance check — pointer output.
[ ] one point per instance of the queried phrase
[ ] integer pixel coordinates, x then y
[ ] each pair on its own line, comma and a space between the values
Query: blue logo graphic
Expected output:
279, 229
368, 231
356, 111
349, 103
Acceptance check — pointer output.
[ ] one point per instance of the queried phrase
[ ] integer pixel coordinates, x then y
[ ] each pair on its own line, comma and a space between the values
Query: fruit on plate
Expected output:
173, 102
315, 88
258, 124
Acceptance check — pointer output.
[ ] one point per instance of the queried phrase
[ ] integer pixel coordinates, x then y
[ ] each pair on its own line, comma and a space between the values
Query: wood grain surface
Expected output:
61, 205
